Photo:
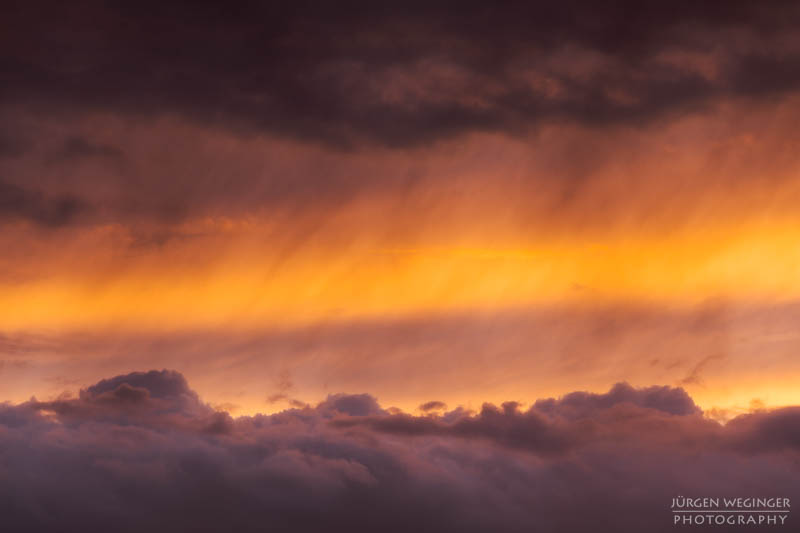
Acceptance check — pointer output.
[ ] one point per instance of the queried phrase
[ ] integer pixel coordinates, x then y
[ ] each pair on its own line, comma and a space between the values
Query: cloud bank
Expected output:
143, 452
397, 74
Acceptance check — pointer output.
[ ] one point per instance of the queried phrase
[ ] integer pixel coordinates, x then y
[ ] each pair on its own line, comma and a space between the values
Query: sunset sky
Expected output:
415, 201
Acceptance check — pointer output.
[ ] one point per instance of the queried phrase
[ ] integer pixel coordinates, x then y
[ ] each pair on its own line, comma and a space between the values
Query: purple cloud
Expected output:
143, 452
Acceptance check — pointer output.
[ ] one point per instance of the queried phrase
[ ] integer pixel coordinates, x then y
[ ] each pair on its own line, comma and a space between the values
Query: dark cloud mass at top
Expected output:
395, 73
142, 452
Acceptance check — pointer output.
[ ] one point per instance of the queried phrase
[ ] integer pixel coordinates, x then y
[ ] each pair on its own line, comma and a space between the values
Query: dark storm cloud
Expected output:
143, 452
398, 73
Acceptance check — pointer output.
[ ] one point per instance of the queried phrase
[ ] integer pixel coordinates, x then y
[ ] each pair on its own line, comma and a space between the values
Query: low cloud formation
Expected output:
143, 452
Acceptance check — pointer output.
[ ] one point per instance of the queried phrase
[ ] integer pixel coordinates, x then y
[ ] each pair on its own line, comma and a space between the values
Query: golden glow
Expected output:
253, 284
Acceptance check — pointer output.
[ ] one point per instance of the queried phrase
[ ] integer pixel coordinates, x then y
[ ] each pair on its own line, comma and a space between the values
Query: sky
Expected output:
275, 207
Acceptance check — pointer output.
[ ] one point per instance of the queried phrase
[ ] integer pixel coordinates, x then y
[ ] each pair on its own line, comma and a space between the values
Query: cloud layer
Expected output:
397, 74
143, 452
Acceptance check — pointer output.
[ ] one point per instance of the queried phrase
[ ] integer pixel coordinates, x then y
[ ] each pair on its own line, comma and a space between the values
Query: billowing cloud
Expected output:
142, 451
578, 404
